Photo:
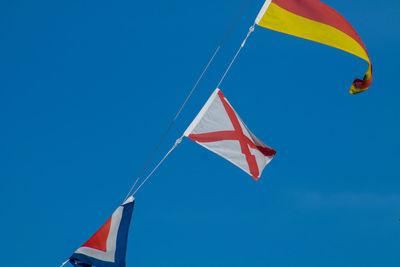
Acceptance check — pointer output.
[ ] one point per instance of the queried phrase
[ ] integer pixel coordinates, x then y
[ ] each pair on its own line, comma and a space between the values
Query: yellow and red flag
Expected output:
316, 21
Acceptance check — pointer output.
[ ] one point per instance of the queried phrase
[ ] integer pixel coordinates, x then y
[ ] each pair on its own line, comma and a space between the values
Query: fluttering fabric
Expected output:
219, 128
316, 21
107, 247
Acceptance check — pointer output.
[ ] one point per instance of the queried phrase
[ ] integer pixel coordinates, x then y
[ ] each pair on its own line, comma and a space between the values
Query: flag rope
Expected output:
177, 142
251, 30
186, 100
65, 262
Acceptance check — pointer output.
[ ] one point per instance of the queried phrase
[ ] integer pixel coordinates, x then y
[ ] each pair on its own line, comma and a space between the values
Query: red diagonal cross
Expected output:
238, 135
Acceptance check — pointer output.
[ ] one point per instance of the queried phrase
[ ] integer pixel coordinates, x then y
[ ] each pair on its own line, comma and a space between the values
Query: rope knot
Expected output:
251, 29
178, 141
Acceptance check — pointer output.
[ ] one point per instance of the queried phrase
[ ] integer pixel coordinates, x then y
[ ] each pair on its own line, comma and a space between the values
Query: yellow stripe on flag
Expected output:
281, 20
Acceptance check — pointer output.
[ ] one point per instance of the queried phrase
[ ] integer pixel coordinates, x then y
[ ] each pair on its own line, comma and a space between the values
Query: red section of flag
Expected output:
320, 12
238, 135
99, 239
363, 84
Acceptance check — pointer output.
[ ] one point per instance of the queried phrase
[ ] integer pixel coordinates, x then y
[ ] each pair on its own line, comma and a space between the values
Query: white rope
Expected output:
251, 29
177, 142
65, 262
187, 99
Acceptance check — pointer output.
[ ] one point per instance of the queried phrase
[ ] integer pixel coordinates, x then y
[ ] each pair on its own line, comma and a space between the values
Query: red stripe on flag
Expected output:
214, 136
229, 135
320, 12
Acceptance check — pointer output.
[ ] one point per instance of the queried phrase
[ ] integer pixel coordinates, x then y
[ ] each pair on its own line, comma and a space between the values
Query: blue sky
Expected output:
87, 88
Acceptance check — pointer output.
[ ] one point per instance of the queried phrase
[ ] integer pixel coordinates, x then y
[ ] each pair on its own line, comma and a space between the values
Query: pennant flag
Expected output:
316, 21
218, 128
107, 247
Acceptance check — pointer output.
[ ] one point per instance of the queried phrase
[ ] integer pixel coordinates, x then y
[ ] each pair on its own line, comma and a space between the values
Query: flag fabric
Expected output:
219, 128
107, 247
316, 21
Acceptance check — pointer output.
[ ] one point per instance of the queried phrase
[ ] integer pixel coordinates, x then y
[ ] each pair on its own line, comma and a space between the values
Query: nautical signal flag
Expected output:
316, 21
219, 128
107, 247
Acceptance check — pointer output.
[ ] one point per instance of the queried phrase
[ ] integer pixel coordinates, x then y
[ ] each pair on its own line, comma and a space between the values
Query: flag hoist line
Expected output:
186, 100
179, 140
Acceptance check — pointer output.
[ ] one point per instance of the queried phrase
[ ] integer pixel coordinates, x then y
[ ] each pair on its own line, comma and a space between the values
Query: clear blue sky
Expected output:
87, 87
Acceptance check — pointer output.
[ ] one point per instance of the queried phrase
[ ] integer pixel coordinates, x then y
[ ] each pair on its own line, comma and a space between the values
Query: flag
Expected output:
316, 21
107, 247
219, 128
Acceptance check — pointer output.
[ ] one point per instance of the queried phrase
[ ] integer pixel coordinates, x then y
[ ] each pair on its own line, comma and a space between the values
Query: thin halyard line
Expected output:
185, 102
178, 141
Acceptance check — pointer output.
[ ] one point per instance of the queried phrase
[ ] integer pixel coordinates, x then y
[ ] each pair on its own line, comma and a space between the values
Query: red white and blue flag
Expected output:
107, 247
219, 128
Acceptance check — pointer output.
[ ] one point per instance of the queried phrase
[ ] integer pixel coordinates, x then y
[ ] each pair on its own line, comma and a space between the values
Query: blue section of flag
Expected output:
81, 260
77, 263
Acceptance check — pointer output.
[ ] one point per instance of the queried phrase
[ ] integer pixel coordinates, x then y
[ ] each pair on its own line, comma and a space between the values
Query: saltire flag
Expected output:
107, 247
316, 21
219, 128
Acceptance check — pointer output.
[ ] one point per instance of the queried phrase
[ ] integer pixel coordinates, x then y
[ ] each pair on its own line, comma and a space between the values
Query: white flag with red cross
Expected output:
219, 128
